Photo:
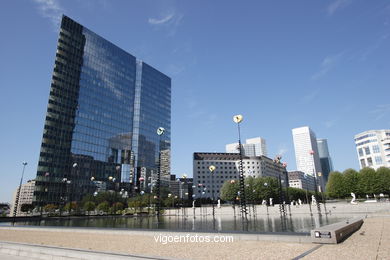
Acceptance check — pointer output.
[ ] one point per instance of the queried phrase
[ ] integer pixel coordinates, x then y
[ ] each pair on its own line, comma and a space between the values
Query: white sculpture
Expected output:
271, 202
299, 202
219, 204
353, 198
193, 204
313, 200
264, 203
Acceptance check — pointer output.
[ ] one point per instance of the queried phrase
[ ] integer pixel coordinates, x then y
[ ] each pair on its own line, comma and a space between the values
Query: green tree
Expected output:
50, 208
139, 202
229, 190
89, 206
103, 206
117, 206
351, 181
266, 188
383, 175
26, 207
369, 181
295, 194
335, 186
71, 206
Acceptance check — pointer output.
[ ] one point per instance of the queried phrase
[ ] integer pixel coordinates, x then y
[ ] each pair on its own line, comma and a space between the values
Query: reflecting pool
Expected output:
299, 223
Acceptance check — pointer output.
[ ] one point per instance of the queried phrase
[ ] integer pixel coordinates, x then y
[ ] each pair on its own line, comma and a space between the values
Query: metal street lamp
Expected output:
193, 204
66, 181
160, 132
238, 119
18, 195
266, 204
212, 169
282, 210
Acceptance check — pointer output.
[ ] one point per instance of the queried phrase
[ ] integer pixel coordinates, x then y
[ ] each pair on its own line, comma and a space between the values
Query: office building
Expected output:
325, 159
181, 187
104, 108
300, 180
25, 197
306, 151
253, 147
373, 148
227, 168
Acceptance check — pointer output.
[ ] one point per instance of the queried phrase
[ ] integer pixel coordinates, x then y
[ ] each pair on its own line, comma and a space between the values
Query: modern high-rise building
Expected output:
253, 147
306, 151
373, 148
103, 112
25, 197
325, 159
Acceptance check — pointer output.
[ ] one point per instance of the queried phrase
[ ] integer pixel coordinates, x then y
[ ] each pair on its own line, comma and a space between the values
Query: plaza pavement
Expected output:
372, 241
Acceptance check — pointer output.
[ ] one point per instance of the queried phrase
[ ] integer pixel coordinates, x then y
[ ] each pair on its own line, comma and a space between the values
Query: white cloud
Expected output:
175, 69
381, 111
170, 23
327, 64
162, 20
329, 123
337, 5
282, 149
364, 54
310, 96
50, 9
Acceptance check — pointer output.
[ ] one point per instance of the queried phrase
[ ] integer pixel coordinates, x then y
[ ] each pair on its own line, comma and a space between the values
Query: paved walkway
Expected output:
11, 257
370, 242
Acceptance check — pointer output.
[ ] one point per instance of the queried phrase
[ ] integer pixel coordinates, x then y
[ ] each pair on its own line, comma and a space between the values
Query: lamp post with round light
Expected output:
212, 169
287, 186
266, 203
67, 185
238, 119
282, 210
193, 205
160, 132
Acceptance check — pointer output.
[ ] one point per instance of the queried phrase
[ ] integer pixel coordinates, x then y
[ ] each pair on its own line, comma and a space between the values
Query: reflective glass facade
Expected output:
103, 112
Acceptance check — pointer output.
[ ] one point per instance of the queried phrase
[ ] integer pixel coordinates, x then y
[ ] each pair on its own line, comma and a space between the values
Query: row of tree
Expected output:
112, 203
258, 189
367, 181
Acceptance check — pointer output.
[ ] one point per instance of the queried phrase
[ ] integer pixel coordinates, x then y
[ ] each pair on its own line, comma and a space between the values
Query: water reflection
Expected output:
298, 223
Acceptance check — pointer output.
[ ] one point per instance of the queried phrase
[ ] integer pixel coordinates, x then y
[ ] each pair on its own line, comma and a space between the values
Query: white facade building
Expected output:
373, 148
306, 151
300, 180
253, 147
26, 197
227, 168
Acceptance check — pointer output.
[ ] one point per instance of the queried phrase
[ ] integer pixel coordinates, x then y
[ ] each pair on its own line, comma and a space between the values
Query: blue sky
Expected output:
282, 64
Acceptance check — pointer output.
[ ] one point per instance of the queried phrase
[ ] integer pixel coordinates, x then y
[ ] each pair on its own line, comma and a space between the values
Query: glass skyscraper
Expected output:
103, 112
325, 159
